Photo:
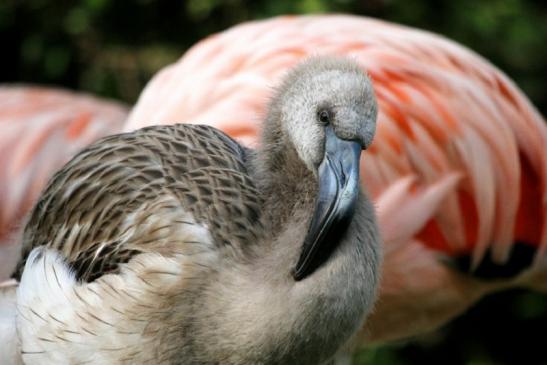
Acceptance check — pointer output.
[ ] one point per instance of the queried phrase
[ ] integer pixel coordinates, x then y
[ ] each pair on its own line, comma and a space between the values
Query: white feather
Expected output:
63, 321
9, 349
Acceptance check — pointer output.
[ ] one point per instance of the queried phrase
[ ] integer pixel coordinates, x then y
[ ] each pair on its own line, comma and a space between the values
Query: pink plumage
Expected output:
458, 164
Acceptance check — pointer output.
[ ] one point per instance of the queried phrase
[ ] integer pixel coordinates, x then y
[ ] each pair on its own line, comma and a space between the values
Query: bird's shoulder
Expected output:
138, 192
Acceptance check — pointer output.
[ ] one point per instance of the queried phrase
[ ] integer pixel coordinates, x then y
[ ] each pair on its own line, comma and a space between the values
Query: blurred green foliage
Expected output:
112, 48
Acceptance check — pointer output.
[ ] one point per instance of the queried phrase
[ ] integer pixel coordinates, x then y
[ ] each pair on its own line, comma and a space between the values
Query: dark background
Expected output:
112, 48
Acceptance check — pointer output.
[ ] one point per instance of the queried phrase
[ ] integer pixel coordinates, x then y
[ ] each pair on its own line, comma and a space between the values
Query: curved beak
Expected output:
335, 204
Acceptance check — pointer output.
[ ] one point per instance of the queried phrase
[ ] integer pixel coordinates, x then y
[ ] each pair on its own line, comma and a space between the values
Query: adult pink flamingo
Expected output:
458, 167
41, 128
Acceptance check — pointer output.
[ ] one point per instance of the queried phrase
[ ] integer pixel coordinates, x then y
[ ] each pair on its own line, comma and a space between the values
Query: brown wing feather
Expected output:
132, 180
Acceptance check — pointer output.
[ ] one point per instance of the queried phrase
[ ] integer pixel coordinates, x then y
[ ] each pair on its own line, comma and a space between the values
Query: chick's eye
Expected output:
324, 116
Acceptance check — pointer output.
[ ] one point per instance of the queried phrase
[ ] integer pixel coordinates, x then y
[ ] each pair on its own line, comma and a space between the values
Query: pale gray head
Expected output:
321, 92
326, 110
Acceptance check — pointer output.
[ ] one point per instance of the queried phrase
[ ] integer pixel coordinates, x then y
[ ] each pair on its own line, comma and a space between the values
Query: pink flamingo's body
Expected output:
41, 129
458, 165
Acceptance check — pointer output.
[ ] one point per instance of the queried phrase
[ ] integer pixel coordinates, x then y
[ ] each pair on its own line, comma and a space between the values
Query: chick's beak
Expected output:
335, 204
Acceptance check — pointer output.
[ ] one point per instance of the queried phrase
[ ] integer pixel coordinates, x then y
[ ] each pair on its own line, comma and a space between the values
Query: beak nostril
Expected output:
342, 174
